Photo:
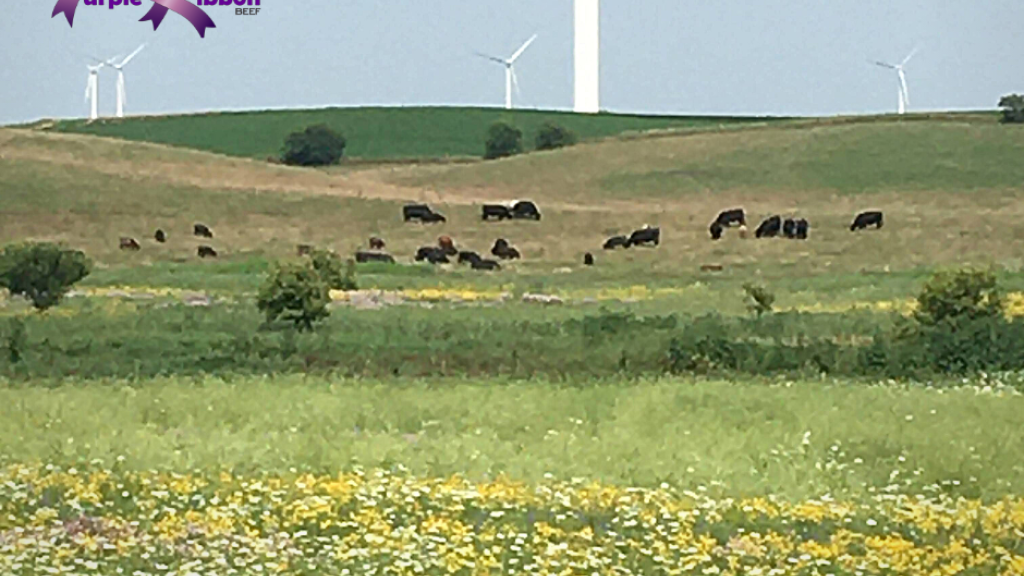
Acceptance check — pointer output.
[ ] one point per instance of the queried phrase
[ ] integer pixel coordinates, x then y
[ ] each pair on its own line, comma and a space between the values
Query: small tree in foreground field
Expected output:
759, 299
960, 295
314, 146
41, 272
552, 136
1013, 108
503, 140
295, 292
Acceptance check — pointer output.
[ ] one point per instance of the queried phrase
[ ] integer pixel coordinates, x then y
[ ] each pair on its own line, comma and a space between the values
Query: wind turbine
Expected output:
121, 95
903, 94
510, 72
92, 88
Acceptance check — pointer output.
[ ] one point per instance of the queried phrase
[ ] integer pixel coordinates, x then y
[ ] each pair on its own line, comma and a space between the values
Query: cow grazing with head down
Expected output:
421, 212
467, 256
432, 254
496, 211
160, 236
525, 210
616, 242
769, 228
481, 264
129, 244
447, 245
503, 250
729, 217
866, 219
376, 243
365, 257
206, 252
644, 236
802, 228
202, 230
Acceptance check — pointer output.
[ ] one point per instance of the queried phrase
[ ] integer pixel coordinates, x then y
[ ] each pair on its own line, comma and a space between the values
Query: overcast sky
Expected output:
781, 57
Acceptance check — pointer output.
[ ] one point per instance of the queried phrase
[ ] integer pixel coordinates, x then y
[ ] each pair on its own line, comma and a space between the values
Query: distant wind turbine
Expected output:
510, 72
121, 95
903, 94
92, 88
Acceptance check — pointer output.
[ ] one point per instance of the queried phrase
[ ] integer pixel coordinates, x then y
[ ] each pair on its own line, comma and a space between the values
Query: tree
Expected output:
328, 265
314, 146
503, 140
552, 136
1013, 108
959, 295
295, 292
42, 272
760, 300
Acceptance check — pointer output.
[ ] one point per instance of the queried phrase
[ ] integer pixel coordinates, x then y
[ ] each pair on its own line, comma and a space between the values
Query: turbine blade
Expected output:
489, 57
522, 49
884, 65
132, 55
909, 56
903, 85
515, 82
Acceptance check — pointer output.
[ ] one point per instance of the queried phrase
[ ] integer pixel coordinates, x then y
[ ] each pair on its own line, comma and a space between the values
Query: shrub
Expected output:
503, 140
41, 272
959, 295
328, 265
1013, 108
552, 136
295, 293
759, 299
314, 146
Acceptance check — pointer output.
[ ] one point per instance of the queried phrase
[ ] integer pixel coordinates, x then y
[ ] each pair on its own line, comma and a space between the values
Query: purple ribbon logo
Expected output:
194, 14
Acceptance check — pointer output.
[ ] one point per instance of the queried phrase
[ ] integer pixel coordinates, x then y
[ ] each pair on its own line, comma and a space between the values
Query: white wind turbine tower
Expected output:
92, 89
510, 72
587, 57
903, 93
121, 95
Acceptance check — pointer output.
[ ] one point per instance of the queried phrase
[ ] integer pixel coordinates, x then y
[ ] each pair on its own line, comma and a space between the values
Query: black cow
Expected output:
645, 236
481, 264
525, 210
865, 219
202, 230
716, 230
616, 242
365, 257
503, 250
160, 236
421, 212
433, 218
467, 256
432, 254
789, 228
588, 259
801, 229
769, 228
206, 252
496, 211
730, 217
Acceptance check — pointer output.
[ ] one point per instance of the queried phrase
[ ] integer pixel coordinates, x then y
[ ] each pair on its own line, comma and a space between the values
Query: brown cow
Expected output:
376, 243
447, 246
129, 244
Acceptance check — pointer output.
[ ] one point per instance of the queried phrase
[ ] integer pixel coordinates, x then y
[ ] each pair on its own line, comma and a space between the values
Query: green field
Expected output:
374, 133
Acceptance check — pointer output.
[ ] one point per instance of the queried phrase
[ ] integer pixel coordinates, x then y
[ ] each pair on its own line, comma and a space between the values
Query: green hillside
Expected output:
372, 133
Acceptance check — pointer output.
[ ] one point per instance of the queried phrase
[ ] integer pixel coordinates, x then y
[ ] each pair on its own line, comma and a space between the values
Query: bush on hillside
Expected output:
503, 140
314, 146
296, 293
42, 272
961, 295
1013, 108
337, 276
759, 299
552, 136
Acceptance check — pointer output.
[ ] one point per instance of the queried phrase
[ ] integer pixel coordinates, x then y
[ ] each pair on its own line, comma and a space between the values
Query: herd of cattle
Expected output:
445, 250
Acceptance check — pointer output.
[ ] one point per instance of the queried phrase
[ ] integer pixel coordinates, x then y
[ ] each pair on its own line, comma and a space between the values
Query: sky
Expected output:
763, 57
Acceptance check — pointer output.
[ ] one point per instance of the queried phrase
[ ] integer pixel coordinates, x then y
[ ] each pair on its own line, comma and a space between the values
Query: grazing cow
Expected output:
160, 236
729, 217
789, 228
421, 212
801, 229
206, 252
496, 211
202, 231
503, 250
616, 242
525, 210
716, 230
769, 228
468, 257
376, 243
588, 259
433, 218
304, 249
447, 246
365, 257
129, 244
865, 219
481, 264
712, 268
432, 254
644, 236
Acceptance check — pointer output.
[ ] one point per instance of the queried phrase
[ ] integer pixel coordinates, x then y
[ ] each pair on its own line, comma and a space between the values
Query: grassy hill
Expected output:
372, 133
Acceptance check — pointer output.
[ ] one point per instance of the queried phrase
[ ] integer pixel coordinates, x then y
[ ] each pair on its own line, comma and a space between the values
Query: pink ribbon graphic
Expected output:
194, 14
